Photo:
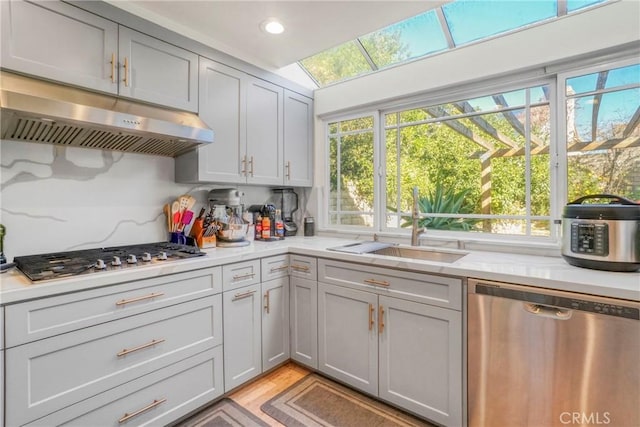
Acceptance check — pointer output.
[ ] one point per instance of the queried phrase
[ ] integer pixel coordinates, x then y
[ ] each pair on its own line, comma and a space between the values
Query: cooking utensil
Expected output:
186, 219
175, 209
167, 211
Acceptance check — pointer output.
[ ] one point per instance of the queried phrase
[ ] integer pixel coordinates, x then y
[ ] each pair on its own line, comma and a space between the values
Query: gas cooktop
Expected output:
64, 264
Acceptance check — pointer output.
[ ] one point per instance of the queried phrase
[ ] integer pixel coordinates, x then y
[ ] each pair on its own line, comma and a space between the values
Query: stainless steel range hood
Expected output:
38, 111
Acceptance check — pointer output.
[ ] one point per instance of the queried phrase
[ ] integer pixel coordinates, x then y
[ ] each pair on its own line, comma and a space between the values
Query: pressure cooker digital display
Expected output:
591, 239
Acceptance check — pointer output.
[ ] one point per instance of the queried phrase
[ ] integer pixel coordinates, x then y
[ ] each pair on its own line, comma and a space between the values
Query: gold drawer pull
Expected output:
243, 295
380, 320
152, 405
377, 282
113, 67
300, 267
140, 347
288, 174
142, 298
282, 267
251, 166
371, 321
244, 166
266, 305
243, 276
126, 72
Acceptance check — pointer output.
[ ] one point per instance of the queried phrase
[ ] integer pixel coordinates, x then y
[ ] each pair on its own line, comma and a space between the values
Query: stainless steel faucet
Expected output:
415, 216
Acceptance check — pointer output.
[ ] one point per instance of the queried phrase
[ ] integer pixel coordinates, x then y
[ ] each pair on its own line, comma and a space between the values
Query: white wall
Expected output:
57, 198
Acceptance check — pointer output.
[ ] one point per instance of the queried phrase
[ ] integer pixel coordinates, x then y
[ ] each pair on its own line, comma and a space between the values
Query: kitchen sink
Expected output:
388, 249
420, 253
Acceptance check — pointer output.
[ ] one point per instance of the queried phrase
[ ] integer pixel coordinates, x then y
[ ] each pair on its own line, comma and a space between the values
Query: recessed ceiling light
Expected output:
272, 26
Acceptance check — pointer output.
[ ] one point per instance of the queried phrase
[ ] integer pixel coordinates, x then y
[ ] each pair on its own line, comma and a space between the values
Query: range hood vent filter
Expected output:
44, 112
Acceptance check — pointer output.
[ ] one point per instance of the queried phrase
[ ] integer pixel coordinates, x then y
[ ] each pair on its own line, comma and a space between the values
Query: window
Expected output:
603, 133
481, 165
351, 145
487, 165
453, 24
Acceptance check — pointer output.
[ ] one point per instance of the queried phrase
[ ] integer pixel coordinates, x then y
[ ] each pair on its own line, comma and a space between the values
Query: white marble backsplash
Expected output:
56, 198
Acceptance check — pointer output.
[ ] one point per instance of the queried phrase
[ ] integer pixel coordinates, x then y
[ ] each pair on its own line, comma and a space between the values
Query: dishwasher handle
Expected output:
547, 311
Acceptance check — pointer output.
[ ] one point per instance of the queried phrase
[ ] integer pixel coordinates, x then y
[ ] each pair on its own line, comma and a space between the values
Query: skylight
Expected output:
454, 24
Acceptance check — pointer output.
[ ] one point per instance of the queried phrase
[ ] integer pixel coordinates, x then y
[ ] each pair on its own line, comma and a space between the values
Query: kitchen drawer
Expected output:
167, 394
240, 274
305, 267
440, 291
43, 318
274, 267
47, 375
1, 329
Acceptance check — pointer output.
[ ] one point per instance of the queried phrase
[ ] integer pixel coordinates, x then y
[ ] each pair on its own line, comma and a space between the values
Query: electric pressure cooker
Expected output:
602, 236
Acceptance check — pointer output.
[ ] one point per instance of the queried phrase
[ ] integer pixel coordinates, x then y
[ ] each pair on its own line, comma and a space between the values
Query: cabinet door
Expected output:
347, 336
222, 95
242, 335
421, 359
275, 322
58, 41
264, 133
298, 140
158, 72
304, 321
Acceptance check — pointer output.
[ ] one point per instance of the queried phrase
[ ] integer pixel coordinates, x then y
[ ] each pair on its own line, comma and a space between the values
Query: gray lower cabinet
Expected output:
376, 333
420, 359
57, 41
242, 335
158, 398
347, 336
304, 321
47, 375
275, 322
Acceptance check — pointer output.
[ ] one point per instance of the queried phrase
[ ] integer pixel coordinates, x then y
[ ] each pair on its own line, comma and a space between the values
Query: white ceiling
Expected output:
311, 26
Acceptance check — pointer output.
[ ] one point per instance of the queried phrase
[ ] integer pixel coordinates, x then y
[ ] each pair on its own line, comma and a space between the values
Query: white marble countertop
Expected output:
544, 272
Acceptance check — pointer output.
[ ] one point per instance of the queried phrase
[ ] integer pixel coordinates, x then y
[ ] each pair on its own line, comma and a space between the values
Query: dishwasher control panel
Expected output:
565, 300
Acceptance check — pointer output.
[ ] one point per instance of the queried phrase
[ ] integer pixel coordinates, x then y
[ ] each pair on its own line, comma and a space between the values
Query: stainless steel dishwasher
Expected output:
542, 358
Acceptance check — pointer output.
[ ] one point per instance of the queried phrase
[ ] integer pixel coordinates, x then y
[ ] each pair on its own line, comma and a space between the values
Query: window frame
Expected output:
554, 77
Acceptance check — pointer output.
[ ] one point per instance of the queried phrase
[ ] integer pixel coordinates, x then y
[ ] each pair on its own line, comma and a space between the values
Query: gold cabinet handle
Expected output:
371, 321
282, 267
243, 295
376, 282
152, 405
141, 298
243, 276
288, 174
266, 304
140, 347
113, 67
300, 267
244, 166
126, 71
251, 166
380, 319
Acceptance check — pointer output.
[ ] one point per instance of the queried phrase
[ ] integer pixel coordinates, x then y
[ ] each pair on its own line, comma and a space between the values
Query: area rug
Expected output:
225, 413
317, 401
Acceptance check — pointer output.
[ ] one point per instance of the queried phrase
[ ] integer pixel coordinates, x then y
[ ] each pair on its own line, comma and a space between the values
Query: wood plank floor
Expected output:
254, 394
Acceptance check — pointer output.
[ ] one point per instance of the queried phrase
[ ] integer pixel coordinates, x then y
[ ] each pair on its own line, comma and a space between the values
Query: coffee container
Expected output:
309, 226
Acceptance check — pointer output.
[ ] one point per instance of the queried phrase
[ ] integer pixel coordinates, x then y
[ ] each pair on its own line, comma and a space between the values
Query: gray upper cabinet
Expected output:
57, 41
222, 107
60, 42
264, 156
158, 72
298, 140
247, 116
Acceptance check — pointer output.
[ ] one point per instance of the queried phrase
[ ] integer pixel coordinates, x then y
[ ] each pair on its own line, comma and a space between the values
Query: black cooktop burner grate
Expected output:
64, 264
